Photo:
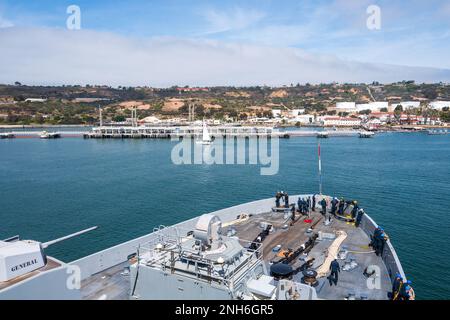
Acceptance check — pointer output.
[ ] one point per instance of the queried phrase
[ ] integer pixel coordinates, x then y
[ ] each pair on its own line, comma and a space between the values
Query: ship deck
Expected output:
110, 284
351, 282
114, 283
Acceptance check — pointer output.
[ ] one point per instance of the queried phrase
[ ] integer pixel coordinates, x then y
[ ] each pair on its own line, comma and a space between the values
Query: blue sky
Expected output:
413, 33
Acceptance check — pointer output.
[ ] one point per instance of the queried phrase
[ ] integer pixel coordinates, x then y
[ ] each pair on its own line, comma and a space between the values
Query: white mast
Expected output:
206, 136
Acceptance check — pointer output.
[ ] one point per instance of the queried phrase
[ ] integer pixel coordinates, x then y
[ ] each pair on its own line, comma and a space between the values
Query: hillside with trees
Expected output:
79, 104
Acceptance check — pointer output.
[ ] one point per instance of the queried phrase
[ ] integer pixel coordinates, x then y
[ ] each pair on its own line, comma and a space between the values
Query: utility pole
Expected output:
134, 117
189, 116
101, 116
191, 108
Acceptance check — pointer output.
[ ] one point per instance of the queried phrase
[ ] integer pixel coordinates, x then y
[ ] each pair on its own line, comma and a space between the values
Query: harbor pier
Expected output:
105, 132
167, 132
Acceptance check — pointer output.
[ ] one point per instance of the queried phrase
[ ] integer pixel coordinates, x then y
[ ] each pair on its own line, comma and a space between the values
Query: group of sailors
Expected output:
308, 204
402, 290
304, 205
339, 206
281, 195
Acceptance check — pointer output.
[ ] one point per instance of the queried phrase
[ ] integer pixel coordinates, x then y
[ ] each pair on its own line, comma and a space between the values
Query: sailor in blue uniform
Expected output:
374, 243
380, 241
396, 286
323, 203
359, 216
293, 214
334, 204
407, 293
334, 275
277, 199
355, 209
308, 204
341, 207
379, 230
286, 200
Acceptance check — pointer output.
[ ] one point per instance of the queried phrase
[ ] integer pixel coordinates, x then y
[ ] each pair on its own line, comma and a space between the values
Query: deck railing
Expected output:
172, 239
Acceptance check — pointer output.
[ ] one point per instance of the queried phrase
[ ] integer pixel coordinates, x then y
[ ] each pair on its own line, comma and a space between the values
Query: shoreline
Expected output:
37, 126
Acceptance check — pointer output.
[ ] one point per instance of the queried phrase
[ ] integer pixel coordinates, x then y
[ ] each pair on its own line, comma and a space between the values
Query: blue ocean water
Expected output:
50, 188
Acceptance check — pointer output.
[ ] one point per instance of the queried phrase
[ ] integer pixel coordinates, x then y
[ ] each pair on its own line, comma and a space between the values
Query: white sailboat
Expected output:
49, 135
44, 135
206, 137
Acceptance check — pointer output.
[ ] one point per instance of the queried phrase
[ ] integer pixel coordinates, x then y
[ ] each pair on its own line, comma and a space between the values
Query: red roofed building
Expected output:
187, 89
340, 121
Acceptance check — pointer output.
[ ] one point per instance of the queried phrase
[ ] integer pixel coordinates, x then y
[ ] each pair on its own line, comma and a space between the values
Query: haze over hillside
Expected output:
42, 56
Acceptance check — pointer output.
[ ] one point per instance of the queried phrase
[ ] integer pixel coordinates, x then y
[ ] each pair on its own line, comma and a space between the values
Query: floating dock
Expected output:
366, 134
105, 132
438, 132
7, 135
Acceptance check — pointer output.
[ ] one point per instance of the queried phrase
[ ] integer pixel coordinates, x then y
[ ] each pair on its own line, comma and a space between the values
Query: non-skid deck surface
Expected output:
350, 282
110, 284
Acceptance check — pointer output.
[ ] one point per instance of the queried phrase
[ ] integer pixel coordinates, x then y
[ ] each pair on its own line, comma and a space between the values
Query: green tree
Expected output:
39, 119
398, 112
398, 108
243, 116
119, 118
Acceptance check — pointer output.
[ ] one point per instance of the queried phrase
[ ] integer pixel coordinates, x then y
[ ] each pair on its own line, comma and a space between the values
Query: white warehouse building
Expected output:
409, 104
276, 113
303, 119
372, 106
345, 106
296, 112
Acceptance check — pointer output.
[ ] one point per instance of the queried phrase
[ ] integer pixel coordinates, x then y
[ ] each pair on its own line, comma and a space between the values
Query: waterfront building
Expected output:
35, 100
303, 119
372, 106
150, 119
297, 112
340, 121
345, 107
409, 104
439, 105
276, 113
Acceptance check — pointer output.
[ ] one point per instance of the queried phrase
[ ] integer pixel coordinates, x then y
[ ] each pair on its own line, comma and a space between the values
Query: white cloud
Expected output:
57, 56
275, 35
235, 19
4, 23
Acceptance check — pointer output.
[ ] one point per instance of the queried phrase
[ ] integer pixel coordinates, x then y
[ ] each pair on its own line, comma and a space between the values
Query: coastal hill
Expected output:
23, 104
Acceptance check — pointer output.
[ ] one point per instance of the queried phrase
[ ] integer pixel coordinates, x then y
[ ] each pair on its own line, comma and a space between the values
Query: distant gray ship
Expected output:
252, 251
